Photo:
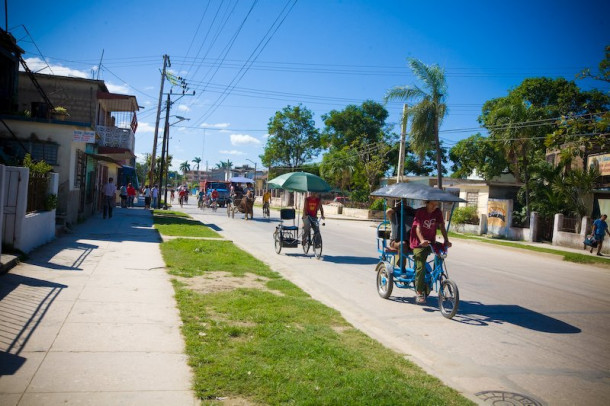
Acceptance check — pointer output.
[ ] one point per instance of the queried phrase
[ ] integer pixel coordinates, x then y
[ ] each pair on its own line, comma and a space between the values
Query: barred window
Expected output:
79, 172
472, 198
39, 151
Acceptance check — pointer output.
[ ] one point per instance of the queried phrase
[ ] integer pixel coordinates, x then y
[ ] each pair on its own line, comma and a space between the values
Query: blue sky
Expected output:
258, 56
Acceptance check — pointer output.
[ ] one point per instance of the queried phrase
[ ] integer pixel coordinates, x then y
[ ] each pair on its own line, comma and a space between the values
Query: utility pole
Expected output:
165, 138
166, 64
401, 153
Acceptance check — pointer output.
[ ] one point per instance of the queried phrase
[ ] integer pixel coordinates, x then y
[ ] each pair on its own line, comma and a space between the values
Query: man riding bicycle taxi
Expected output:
313, 203
423, 236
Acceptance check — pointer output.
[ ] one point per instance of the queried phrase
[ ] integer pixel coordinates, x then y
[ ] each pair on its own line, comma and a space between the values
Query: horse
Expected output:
241, 203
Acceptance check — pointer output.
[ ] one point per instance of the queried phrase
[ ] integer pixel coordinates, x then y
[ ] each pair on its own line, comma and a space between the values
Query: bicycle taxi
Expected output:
396, 267
287, 233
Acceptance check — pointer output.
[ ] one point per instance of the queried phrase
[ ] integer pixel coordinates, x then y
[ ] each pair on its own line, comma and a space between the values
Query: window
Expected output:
81, 166
472, 198
40, 151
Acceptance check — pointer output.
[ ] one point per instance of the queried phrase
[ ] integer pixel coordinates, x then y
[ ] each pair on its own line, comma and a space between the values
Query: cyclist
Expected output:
214, 196
182, 195
313, 203
423, 235
201, 199
266, 201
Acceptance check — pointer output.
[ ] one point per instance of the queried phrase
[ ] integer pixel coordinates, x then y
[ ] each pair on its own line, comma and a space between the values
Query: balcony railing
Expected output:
116, 137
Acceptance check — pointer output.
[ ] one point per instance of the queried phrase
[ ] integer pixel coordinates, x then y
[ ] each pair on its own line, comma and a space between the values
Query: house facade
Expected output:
85, 147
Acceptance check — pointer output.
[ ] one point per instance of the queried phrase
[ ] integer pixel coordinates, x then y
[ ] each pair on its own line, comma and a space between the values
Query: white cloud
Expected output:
243, 139
217, 125
145, 128
232, 152
120, 89
184, 107
40, 66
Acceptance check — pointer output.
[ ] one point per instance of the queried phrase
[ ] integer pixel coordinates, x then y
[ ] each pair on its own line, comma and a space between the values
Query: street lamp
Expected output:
165, 151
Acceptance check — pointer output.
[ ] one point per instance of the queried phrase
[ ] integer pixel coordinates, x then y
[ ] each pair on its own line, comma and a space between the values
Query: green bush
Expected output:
465, 215
377, 204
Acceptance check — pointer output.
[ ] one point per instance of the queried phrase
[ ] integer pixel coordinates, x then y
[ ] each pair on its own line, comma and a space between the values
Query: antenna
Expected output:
99, 67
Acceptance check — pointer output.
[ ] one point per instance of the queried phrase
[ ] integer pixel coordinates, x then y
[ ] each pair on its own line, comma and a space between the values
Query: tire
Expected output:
229, 211
385, 279
305, 244
277, 237
448, 298
317, 245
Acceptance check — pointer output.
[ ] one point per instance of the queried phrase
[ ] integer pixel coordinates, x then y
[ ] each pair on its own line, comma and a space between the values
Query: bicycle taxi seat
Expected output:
288, 214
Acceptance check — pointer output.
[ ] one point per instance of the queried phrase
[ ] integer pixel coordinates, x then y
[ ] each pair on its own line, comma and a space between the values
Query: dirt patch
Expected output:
221, 281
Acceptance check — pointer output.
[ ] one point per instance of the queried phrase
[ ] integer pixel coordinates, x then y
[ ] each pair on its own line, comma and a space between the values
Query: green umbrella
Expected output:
299, 182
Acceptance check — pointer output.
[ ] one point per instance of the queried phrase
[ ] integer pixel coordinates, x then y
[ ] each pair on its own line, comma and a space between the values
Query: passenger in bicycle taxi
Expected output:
393, 214
313, 203
423, 235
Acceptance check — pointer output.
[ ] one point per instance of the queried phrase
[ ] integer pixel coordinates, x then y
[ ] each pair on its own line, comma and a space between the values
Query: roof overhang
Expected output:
117, 102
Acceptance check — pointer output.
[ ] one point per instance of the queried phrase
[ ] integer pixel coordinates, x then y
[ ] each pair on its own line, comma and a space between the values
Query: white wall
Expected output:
25, 232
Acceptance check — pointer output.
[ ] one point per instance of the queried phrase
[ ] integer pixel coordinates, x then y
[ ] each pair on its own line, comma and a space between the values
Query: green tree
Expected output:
428, 112
197, 161
355, 125
359, 138
338, 167
293, 138
185, 167
414, 165
477, 154
604, 69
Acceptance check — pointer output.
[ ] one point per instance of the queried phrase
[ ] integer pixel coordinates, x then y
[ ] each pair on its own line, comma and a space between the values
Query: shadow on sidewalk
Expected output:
23, 304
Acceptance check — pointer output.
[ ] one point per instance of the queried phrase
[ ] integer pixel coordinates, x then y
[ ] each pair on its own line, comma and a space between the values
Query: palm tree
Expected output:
428, 111
185, 167
197, 160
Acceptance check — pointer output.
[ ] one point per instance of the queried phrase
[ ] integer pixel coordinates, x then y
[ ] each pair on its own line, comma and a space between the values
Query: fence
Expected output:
38, 185
570, 225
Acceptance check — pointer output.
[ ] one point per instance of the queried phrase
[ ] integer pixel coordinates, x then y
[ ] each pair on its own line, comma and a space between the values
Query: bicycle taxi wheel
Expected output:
305, 244
385, 279
277, 238
448, 297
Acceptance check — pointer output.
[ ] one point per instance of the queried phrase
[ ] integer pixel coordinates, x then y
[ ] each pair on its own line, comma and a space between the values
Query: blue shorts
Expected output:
599, 237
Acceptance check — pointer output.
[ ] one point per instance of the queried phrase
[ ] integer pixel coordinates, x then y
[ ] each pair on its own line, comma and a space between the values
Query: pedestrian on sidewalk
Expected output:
131, 195
155, 197
123, 194
600, 229
109, 193
147, 197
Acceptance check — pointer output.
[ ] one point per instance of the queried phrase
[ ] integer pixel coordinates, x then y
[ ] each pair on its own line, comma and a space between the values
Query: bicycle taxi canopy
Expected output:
240, 179
299, 182
416, 191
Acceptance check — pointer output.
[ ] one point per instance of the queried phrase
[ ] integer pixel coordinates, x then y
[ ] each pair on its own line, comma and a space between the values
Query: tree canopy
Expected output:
293, 138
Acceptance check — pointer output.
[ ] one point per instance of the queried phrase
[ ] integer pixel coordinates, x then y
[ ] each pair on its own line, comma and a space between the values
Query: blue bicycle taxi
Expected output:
396, 266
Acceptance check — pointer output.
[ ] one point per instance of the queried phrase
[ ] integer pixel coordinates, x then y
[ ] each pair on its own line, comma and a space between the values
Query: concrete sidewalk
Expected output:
91, 319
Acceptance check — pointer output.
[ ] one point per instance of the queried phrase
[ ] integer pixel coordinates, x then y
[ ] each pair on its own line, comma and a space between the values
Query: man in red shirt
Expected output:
311, 207
423, 234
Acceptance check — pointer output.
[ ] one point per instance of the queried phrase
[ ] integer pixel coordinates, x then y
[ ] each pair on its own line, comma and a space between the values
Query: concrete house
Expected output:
93, 141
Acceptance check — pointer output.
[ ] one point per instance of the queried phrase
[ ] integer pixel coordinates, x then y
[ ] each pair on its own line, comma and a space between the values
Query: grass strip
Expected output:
567, 256
270, 343
176, 225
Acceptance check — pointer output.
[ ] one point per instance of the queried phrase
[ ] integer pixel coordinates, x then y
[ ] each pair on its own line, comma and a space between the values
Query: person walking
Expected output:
109, 193
123, 194
147, 197
155, 197
131, 194
600, 229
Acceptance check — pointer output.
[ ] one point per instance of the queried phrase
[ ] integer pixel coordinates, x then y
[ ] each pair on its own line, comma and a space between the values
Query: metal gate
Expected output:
545, 229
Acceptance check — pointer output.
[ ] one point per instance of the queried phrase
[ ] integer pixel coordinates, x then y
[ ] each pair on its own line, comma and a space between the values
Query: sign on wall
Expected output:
497, 213
84, 136
600, 161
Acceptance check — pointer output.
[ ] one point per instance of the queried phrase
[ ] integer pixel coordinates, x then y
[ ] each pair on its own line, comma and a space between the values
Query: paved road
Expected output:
531, 327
